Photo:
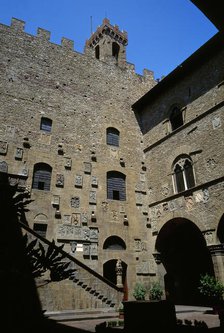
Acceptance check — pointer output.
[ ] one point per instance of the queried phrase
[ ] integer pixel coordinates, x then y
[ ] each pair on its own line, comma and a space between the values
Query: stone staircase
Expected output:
85, 289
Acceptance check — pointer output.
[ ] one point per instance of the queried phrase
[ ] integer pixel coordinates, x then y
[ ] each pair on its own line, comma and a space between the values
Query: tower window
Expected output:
42, 177
116, 188
97, 52
113, 136
183, 174
115, 50
46, 124
176, 118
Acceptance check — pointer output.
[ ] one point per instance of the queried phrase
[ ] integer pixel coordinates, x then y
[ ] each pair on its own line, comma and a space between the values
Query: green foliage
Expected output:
139, 291
155, 291
210, 287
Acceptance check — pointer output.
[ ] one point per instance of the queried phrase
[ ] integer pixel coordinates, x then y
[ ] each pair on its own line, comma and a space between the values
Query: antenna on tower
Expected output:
91, 25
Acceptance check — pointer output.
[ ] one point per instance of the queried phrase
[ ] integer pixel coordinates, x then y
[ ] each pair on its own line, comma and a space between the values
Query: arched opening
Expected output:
185, 257
109, 271
176, 118
40, 224
183, 174
113, 136
115, 50
114, 243
42, 177
220, 231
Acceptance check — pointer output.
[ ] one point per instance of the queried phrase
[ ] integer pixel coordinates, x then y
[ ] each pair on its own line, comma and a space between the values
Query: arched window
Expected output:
46, 124
42, 177
115, 50
116, 188
183, 174
176, 118
113, 136
114, 243
40, 228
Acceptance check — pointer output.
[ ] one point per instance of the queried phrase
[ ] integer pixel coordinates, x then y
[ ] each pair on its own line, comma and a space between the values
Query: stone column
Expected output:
119, 273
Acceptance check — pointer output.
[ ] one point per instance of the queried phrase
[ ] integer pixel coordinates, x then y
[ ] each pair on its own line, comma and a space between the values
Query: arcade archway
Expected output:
109, 271
185, 257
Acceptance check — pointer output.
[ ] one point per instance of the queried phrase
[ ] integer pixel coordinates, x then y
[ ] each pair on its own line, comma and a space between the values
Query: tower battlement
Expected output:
114, 52
43, 34
110, 30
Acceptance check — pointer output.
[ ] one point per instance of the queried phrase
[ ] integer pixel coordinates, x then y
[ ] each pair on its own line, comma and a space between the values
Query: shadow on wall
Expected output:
20, 306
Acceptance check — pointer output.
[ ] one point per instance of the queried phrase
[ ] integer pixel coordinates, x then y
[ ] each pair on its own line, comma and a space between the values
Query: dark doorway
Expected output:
220, 231
185, 257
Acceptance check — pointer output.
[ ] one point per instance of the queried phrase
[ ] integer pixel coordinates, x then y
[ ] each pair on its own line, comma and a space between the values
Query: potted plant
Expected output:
139, 291
213, 291
155, 292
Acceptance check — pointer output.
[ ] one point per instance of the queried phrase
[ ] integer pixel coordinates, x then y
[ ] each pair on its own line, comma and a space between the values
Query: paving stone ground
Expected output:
88, 321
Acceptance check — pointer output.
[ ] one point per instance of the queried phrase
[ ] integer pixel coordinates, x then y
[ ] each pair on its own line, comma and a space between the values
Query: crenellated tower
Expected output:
108, 44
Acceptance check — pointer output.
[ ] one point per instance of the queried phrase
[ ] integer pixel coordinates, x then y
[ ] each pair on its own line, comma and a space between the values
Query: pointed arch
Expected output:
183, 173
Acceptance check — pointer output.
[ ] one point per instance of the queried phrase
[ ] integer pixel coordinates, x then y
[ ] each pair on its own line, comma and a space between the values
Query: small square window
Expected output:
46, 124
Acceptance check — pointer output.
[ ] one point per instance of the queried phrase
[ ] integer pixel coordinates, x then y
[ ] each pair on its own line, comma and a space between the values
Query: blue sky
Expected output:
161, 33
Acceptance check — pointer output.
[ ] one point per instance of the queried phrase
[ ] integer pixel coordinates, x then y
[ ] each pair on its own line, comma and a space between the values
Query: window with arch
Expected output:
183, 174
115, 50
114, 243
176, 118
45, 124
42, 177
40, 228
116, 187
113, 136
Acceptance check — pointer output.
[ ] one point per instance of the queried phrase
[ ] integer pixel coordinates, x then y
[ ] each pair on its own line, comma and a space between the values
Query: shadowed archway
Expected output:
220, 231
109, 271
185, 257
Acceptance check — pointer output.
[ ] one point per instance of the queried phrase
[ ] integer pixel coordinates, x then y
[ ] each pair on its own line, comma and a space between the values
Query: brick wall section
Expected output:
200, 95
83, 96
